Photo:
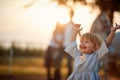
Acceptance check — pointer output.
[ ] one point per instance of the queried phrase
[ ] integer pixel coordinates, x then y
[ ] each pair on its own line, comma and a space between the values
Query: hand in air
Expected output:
117, 26
77, 27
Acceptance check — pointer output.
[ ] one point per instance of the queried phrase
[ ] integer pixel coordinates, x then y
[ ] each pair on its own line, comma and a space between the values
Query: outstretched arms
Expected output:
111, 35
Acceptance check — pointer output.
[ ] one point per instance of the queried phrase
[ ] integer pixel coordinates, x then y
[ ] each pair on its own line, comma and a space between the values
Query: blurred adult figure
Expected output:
54, 53
68, 27
102, 26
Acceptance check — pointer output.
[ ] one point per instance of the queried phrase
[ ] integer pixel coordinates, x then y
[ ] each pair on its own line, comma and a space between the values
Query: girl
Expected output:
89, 56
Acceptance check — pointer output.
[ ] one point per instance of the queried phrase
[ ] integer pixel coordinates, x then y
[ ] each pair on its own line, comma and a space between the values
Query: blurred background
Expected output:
26, 28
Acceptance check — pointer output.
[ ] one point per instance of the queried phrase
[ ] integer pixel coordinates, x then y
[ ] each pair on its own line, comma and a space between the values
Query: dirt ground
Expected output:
32, 77
35, 71
22, 77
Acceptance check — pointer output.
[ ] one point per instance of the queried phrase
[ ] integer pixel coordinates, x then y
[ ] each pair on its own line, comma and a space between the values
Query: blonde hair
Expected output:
94, 38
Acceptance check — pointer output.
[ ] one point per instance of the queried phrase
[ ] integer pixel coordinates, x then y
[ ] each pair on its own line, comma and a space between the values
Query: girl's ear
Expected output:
96, 48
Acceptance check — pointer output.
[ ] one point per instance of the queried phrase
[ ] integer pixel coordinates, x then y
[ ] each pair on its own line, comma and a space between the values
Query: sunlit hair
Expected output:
94, 38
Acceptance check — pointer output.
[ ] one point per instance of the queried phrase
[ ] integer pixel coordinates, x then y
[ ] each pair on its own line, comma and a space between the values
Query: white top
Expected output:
67, 34
58, 37
86, 69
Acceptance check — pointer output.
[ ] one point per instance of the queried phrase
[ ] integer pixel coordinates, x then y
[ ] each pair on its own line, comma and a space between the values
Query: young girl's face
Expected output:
86, 46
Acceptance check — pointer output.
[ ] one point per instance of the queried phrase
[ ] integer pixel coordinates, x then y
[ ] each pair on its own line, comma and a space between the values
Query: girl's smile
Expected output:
86, 46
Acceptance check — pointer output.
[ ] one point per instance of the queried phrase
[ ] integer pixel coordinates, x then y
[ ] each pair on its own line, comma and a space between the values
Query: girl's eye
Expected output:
81, 41
87, 41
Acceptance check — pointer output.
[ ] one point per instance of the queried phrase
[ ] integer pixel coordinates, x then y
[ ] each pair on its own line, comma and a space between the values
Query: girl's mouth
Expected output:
82, 47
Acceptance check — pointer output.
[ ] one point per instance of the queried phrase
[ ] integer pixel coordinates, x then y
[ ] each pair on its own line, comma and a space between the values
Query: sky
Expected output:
33, 21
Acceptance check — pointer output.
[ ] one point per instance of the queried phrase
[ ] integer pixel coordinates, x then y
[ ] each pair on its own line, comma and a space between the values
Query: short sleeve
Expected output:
102, 51
71, 49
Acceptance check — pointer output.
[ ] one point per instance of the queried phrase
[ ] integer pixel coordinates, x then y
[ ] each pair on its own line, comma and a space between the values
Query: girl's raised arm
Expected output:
76, 29
111, 35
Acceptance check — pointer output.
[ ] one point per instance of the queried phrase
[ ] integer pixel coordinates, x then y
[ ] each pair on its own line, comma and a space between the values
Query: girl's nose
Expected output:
82, 43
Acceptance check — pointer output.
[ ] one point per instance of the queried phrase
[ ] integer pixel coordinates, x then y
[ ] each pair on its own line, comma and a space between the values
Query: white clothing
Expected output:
88, 68
67, 34
58, 37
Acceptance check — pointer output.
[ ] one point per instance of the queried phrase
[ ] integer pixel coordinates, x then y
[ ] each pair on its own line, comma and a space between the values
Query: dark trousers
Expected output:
53, 60
69, 63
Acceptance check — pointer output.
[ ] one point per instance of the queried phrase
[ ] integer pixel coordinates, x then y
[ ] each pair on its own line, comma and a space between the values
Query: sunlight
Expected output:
36, 22
42, 20
116, 19
28, 24
62, 14
85, 16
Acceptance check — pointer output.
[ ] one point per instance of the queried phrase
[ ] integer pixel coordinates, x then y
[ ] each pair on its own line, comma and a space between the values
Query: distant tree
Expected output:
109, 5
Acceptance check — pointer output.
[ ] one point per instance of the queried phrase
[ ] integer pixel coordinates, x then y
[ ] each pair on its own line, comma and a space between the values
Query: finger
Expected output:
118, 25
81, 29
77, 25
115, 24
79, 32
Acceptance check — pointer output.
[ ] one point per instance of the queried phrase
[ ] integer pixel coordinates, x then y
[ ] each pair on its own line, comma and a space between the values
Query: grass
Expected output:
32, 65
27, 66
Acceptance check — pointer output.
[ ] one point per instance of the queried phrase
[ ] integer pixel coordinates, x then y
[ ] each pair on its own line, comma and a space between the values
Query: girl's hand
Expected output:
117, 26
77, 27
